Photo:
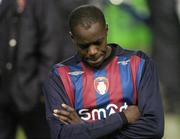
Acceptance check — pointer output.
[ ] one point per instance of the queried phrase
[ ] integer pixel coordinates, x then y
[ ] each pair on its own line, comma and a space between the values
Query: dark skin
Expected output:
67, 115
92, 45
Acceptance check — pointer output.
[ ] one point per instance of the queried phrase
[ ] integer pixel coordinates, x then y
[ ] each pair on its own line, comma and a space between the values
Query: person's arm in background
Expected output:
39, 46
151, 121
55, 96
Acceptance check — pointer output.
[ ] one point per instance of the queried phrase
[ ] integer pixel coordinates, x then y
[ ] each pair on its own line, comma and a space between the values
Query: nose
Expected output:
92, 50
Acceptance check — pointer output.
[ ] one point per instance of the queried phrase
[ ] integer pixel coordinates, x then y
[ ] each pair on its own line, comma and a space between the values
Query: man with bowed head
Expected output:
104, 91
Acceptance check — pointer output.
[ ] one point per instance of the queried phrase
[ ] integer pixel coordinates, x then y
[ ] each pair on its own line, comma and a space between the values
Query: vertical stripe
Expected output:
134, 61
63, 72
139, 73
101, 99
77, 81
102, 96
126, 80
115, 86
89, 95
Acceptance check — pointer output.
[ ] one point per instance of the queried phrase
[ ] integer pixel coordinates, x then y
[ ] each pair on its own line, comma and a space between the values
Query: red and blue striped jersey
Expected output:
100, 94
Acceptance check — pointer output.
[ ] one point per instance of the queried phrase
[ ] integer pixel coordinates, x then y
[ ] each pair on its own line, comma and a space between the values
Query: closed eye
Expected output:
83, 46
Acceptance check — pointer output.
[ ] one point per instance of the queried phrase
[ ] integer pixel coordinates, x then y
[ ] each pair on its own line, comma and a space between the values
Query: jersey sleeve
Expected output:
55, 95
151, 122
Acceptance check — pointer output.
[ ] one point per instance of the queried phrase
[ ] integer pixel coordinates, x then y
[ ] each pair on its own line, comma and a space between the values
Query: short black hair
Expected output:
86, 15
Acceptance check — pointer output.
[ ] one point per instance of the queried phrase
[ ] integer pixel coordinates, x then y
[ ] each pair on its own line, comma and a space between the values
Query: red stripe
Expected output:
63, 72
134, 62
89, 94
115, 88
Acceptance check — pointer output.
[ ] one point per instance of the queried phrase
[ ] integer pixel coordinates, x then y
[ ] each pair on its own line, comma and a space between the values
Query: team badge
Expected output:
101, 85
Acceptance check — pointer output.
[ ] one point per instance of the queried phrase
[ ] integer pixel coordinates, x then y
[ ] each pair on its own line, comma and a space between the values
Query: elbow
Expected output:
159, 134
160, 128
157, 126
159, 131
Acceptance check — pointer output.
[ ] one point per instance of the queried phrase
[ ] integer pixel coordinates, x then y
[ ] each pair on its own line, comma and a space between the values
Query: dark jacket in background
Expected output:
166, 49
29, 45
39, 47
25, 67
9, 32
45, 40
30, 42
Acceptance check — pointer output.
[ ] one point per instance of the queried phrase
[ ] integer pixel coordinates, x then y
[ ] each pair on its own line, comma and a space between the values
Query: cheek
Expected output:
83, 53
103, 48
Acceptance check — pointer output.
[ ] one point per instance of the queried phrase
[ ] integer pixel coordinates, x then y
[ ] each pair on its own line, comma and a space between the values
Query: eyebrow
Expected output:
92, 42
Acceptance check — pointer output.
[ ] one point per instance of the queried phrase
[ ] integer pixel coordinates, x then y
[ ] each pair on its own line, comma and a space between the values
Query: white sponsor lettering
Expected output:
123, 107
112, 108
85, 115
98, 114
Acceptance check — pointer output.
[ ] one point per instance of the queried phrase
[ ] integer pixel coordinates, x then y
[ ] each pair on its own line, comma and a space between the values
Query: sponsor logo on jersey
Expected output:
101, 85
76, 73
124, 62
98, 114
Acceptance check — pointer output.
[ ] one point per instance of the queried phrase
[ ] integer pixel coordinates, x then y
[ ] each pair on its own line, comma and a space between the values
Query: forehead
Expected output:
89, 34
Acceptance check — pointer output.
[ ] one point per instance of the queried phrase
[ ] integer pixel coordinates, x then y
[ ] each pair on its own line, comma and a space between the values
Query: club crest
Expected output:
101, 85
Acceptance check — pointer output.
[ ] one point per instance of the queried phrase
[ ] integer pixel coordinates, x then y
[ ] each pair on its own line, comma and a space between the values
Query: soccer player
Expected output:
104, 91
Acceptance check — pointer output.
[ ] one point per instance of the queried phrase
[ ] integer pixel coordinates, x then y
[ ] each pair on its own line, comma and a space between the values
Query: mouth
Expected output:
95, 61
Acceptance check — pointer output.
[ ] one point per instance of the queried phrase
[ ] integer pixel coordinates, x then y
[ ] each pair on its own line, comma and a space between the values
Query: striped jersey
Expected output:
99, 95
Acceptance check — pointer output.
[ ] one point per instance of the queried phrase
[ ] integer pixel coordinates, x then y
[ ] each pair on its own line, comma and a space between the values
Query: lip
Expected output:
98, 61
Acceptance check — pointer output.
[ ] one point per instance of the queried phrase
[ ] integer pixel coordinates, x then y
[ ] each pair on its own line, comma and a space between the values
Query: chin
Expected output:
96, 65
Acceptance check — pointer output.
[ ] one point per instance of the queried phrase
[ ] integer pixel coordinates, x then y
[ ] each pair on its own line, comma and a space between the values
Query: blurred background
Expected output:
34, 36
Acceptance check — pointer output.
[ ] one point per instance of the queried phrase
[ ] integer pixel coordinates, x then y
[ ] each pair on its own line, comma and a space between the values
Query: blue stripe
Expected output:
78, 84
101, 99
139, 73
55, 72
126, 80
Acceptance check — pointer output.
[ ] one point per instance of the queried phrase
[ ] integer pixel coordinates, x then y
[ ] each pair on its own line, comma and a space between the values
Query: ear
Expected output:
72, 37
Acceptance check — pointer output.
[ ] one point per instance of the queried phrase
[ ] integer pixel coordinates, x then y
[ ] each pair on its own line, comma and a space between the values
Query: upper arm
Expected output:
151, 122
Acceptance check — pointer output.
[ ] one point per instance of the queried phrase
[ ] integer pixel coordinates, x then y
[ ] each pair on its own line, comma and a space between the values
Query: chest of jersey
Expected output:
96, 94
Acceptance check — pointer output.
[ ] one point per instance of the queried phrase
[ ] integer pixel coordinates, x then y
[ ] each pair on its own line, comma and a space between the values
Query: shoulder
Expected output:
123, 52
72, 61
